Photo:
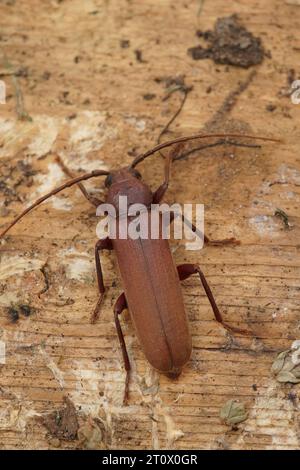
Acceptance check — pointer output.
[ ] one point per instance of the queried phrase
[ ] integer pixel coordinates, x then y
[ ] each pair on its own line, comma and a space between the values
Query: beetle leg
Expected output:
120, 305
104, 244
224, 241
208, 241
160, 192
185, 271
93, 200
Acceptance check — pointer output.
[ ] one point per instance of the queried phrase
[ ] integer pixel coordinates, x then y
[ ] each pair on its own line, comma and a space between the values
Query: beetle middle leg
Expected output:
184, 272
104, 244
208, 241
161, 190
120, 306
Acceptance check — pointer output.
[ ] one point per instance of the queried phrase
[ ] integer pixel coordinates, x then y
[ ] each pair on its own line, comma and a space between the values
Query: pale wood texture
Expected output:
84, 93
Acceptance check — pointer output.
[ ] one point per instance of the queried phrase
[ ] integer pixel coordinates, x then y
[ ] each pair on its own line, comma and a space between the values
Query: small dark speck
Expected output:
125, 43
72, 116
271, 107
291, 76
254, 386
132, 152
149, 96
292, 396
26, 310
139, 56
46, 75
13, 314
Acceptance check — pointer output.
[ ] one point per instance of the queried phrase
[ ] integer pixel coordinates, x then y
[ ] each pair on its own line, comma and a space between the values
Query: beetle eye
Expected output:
108, 181
137, 174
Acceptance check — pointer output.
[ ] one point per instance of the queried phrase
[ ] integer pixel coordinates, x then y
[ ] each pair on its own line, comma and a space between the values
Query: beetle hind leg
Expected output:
120, 306
185, 271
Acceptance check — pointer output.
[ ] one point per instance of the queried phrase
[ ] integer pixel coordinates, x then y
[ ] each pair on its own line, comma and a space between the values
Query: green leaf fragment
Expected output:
288, 365
296, 372
233, 412
279, 362
284, 367
286, 376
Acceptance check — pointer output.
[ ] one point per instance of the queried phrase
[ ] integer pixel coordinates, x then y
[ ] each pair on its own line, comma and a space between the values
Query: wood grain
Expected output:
85, 95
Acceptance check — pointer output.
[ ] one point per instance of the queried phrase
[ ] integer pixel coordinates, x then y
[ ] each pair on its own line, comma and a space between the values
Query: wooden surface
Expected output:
85, 95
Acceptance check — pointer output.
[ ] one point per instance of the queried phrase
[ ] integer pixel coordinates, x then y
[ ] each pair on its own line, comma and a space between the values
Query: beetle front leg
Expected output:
184, 272
104, 244
120, 305
93, 200
160, 192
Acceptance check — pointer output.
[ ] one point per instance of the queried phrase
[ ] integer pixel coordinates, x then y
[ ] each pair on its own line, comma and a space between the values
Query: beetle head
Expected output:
127, 182
124, 174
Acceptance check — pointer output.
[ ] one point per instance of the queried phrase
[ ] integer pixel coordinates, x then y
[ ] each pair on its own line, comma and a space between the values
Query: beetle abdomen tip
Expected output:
173, 374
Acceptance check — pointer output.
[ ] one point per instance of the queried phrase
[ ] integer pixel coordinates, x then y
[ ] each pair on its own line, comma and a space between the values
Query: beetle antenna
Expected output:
163, 145
67, 184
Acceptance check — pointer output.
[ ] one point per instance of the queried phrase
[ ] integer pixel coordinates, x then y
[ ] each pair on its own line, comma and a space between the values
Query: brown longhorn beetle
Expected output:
150, 279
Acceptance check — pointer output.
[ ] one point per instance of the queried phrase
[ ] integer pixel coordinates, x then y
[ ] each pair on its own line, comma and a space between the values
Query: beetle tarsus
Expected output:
241, 331
126, 389
225, 241
96, 312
